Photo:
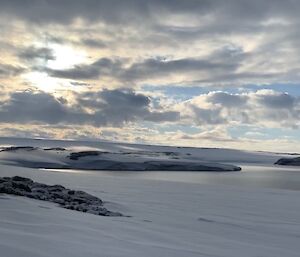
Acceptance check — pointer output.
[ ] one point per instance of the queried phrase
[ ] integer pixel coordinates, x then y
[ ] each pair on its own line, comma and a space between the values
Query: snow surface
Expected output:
168, 219
121, 156
173, 219
99, 160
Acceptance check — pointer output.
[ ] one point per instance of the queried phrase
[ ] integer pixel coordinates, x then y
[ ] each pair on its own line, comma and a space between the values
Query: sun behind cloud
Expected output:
179, 69
64, 57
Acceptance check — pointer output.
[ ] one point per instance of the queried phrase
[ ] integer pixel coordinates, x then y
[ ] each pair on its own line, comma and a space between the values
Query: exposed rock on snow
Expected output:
289, 161
55, 149
77, 155
66, 198
16, 148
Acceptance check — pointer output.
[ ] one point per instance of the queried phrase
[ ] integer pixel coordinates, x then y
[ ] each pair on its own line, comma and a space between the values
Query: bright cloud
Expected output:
179, 71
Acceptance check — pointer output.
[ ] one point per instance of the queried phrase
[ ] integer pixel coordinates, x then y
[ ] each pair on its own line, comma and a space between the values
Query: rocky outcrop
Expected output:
77, 155
55, 149
289, 161
16, 148
66, 198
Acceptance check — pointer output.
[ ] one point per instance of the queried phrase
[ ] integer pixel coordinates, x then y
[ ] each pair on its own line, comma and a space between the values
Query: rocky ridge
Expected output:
66, 198
289, 161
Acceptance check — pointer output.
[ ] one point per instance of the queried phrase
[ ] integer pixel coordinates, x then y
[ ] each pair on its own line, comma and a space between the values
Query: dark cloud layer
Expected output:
228, 100
7, 70
102, 67
210, 21
211, 66
32, 53
262, 108
278, 101
93, 43
108, 107
156, 43
120, 11
118, 107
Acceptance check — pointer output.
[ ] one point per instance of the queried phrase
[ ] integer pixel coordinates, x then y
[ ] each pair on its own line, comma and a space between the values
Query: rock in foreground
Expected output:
289, 161
66, 198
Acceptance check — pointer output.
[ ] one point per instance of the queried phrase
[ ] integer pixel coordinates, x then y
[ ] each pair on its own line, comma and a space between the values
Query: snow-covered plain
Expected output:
121, 156
168, 218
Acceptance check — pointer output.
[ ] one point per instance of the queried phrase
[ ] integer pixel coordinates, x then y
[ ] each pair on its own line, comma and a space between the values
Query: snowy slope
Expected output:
168, 219
173, 219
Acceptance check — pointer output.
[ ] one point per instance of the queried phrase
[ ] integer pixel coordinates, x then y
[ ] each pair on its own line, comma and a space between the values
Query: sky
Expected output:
204, 73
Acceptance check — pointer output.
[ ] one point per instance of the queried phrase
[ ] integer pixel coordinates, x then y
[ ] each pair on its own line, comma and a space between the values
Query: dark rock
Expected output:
39, 190
17, 178
2, 189
2, 180
7, 188
59, 201
21, 185
71, 192
77, 155
66, 198
56, 188
56, 195
40, 185
16, 148
55, 149
289, 161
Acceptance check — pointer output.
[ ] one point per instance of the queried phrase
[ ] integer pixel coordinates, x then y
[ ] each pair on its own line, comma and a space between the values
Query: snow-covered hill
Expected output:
120, 156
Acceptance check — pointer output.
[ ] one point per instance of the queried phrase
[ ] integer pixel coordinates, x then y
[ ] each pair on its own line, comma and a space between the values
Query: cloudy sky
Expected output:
194, 72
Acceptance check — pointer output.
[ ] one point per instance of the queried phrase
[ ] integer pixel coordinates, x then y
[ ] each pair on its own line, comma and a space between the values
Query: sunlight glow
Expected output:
43, 81
65, 57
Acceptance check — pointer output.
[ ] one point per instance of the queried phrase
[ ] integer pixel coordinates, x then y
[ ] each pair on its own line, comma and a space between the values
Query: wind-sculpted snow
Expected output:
66, 198
124, 160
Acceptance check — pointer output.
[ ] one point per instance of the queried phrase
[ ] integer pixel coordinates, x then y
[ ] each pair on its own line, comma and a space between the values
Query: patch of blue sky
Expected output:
180, 92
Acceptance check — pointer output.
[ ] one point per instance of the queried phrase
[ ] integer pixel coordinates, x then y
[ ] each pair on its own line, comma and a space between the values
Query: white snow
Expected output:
123, 156
173, 219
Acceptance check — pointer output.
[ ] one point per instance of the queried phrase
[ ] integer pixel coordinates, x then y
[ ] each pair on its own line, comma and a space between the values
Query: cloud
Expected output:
31, 53
276, 100
108, 107
66, 11
102, 67
265, 108
217, 134
208, 116
208, 44
151, 68
220, 67
124, 105
93, 43
187, 42
228, 100
119, 11
7, 70
28, 106
155, 68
